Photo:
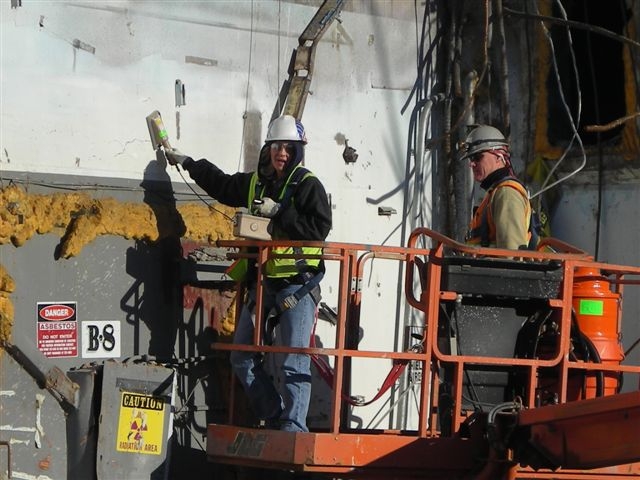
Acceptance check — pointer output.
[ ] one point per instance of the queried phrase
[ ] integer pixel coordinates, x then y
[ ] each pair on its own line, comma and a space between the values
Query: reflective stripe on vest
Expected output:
482, 230
285, 267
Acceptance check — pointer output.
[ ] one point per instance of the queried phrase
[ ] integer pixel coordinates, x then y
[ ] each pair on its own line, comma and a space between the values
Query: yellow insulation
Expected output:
6, 307
78, 219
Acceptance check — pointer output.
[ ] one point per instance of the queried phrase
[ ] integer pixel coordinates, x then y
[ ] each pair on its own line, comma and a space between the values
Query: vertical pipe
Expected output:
447, 119
504, 70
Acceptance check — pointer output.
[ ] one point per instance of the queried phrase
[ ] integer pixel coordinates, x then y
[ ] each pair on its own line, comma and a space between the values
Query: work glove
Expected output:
175, 156
265, 207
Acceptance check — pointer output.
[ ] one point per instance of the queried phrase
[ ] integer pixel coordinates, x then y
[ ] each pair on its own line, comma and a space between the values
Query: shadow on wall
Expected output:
155, 297
181, 316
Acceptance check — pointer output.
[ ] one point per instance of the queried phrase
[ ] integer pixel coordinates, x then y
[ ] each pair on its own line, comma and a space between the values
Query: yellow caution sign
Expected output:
140, 424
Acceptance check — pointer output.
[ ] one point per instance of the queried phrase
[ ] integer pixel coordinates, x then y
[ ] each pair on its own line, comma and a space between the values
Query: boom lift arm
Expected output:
296, 88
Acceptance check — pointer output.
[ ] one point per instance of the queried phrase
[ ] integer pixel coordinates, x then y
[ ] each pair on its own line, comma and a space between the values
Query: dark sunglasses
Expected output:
476, 157
288, 147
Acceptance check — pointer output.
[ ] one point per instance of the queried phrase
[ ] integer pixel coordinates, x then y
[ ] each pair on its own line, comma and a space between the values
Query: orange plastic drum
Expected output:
597, 311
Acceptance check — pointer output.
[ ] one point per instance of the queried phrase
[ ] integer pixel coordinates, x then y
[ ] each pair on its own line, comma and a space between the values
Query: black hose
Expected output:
586, 349
595, 355
591, 353
471, 388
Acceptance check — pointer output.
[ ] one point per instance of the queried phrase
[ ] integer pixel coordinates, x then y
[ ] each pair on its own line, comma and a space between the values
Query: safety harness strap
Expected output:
311, 286
324, 369
257, 188
482, 231
311, 282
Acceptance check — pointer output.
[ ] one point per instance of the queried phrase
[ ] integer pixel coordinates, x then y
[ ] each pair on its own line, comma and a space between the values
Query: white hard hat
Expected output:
480, 139
286, 127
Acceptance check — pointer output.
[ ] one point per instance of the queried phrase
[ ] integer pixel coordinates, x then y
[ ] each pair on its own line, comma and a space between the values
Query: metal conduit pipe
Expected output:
504, 70
462, 180
447, 117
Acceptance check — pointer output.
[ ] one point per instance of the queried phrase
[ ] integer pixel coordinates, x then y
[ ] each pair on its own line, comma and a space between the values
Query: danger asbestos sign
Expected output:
57, 329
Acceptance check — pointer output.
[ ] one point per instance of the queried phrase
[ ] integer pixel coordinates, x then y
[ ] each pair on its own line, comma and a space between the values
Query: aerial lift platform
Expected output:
550, 409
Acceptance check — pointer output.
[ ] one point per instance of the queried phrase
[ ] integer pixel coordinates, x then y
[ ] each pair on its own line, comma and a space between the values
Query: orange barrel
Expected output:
597, 311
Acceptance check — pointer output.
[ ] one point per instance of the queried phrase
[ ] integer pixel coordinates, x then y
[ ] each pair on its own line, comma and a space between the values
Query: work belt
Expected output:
277, 283
309, 285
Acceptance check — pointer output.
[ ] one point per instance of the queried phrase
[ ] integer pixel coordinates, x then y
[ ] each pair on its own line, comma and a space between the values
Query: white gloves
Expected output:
265, 207
174, 156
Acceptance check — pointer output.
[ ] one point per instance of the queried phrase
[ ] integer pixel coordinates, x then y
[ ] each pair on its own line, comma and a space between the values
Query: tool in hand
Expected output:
157, 132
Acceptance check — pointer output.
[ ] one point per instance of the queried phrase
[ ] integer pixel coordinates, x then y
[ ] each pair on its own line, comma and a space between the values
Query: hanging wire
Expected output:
573, 24
596, 104
203, 200
72, 187
416, 142
423, 65
576, 135
528, 153
417, 90
76, 187
481, 76
278, 54
425, 73
504, 71
419, 38
381, 414
632, 54
489, 36
246, 93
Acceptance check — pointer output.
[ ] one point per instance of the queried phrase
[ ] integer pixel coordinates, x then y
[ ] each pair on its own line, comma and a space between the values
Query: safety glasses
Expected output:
288, 147
476, 157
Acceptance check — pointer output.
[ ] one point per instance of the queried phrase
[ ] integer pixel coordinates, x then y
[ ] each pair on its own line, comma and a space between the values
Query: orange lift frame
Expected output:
604, 431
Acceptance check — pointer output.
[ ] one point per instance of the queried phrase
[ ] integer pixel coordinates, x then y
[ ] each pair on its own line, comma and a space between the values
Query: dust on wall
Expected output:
79, 219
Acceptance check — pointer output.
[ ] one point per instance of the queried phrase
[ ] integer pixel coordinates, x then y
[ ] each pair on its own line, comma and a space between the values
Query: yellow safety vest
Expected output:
285, 267
482, 230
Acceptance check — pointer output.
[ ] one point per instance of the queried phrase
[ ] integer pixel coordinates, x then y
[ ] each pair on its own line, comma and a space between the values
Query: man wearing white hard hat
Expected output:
296, 202
503, 218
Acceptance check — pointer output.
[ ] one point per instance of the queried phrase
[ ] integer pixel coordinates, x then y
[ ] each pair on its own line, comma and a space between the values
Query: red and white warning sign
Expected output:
57, 329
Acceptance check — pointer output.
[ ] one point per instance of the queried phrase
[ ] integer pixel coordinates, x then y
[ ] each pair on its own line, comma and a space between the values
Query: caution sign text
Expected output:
140, 424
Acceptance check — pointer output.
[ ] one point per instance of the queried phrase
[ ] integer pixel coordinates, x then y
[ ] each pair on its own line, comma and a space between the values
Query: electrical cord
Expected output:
596, 108
470, 385
576, 135
571, 23
528, 149
483, 73
504, 70
633, 345
72, 187
513, 406
76, 187
211, 207
246, 93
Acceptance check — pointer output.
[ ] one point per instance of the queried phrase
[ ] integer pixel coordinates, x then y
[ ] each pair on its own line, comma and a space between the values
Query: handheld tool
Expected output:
157, 132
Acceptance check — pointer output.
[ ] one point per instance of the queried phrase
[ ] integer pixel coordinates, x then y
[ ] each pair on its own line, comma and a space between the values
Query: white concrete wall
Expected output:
81, 111
575, 222
65, 110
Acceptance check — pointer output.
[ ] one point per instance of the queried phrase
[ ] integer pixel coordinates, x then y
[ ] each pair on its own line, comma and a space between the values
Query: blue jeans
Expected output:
295, 327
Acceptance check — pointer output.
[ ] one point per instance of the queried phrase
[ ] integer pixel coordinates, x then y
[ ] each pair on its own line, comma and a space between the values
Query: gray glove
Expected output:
265, 207
174, 156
